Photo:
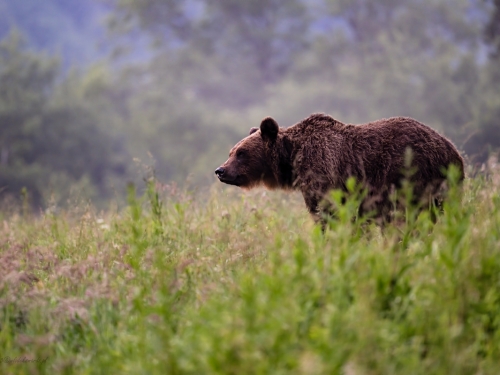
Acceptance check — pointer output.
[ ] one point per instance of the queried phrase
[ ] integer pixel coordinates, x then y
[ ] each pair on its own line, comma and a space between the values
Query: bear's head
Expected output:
254, 160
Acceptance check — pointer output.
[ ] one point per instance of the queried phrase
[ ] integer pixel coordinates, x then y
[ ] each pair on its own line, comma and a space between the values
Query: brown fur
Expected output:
319, 154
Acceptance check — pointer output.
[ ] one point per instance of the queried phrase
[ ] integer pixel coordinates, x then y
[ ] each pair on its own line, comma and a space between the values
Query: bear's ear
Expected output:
269, 128
253, 130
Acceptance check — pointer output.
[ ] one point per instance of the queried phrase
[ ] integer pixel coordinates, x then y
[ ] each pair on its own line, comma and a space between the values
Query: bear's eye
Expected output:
240, 154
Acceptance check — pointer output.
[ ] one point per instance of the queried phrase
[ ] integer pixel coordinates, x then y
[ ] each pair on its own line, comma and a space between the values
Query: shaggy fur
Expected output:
320, 153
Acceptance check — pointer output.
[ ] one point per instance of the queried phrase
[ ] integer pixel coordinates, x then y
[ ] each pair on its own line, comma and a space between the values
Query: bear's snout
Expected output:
225, 176
220, 172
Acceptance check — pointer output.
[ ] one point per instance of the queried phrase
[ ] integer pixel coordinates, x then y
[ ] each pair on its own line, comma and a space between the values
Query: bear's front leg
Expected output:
320, 208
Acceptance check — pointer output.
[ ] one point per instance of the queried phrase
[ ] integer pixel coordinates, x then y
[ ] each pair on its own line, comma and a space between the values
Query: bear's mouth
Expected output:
229, 180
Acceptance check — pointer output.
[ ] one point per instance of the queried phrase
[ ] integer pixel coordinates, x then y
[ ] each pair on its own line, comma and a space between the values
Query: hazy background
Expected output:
86, 86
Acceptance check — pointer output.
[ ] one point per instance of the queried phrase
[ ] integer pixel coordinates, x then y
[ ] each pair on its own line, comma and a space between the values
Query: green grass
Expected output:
237, 282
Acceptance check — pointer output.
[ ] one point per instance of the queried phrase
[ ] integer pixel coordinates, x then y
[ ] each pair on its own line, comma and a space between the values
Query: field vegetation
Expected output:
233, 282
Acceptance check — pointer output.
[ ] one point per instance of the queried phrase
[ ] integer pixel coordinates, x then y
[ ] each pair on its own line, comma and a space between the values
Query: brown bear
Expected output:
319, 154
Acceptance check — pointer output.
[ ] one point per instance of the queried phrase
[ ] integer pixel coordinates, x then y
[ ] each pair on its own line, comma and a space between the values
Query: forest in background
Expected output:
90, 90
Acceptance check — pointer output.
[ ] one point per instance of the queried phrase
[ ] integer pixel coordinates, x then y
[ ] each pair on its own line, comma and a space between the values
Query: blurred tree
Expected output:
45, 132
210, 44
27, 81
69, 28
492, 30
172, 130
482, 136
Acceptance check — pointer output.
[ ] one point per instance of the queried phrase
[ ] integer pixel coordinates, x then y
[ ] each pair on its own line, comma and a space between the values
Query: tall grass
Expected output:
243, 283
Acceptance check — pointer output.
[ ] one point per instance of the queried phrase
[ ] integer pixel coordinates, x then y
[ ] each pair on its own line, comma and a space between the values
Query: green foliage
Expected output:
50, 137
244, 283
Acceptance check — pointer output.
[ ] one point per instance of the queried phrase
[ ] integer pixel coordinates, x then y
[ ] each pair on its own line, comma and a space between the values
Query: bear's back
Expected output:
376, 152
388, 146
397, 134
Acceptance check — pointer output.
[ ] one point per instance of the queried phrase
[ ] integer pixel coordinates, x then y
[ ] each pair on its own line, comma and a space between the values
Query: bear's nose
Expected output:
219, 171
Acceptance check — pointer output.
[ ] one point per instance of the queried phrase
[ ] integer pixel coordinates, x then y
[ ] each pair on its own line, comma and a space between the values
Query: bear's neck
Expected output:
283, 174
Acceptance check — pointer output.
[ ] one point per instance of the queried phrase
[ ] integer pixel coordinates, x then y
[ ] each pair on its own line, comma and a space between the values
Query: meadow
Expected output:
235, 282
